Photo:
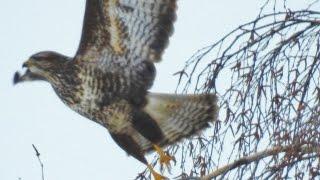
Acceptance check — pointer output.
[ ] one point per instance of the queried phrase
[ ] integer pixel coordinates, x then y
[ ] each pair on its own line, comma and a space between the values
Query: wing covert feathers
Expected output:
131, 31
181, 116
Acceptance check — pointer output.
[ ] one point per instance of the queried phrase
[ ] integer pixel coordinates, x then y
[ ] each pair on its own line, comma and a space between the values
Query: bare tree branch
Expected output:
305, 149
267, 75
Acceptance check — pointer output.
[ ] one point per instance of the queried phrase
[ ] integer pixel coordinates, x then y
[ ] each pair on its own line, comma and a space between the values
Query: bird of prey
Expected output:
109, 78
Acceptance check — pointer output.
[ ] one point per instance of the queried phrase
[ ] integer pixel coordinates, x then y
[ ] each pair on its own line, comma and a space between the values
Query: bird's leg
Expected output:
164, 157
156, 175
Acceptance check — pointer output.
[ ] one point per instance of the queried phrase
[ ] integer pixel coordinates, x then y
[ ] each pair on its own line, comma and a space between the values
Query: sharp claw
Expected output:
164, 157
156, 175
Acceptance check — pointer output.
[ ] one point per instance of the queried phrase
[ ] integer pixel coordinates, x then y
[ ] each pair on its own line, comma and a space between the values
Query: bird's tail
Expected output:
180, 116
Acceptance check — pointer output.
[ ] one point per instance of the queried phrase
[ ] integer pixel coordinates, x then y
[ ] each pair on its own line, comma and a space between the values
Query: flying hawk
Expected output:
108, 79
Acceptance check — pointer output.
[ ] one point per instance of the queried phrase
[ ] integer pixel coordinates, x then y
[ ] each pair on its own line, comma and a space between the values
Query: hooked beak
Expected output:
21, 78
27, 76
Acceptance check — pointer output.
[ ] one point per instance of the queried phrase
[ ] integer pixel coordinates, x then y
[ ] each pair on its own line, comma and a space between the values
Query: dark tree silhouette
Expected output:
267, 75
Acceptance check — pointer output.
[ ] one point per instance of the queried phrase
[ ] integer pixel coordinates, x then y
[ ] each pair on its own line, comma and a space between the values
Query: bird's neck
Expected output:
66, 83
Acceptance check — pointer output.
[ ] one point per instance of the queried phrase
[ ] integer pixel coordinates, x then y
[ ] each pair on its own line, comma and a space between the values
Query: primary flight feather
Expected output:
108, 79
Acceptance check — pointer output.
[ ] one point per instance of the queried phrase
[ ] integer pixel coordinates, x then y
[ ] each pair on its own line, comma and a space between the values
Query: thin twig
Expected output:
40, 162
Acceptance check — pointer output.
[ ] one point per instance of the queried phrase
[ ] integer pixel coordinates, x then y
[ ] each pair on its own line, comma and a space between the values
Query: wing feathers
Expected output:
151, 24
118, 31
138, 30
93, 37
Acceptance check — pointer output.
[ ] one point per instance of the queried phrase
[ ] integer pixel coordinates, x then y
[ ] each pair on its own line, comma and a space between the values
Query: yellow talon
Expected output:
156, 175
164, 158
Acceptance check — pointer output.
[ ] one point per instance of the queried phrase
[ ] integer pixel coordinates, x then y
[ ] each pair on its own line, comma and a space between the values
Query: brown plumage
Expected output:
108, 79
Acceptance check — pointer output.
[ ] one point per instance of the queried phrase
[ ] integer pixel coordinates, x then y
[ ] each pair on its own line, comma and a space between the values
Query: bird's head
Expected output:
44, 65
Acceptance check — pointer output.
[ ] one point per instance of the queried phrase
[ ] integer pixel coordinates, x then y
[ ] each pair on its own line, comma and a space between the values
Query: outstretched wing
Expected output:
125, 32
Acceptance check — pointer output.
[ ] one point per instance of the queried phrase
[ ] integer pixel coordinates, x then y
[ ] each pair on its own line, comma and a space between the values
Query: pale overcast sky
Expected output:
71, 146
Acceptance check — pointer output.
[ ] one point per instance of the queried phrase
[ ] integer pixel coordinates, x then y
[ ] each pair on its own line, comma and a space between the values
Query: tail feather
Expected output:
180, 116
